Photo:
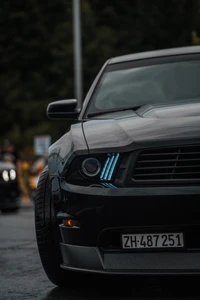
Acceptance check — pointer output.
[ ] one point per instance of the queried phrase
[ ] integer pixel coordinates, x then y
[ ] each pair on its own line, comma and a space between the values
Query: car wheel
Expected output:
47, 233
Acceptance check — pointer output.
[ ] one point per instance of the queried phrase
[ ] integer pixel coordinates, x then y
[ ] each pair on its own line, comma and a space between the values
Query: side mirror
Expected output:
63, 109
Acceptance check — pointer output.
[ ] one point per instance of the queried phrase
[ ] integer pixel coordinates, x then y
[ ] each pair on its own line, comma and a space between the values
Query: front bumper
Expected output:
92, 259
104, 214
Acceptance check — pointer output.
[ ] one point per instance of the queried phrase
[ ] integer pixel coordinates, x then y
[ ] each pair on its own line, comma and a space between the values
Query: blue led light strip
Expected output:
109, 167
109, 185
105, 184
104, 168
112, 186
113, 166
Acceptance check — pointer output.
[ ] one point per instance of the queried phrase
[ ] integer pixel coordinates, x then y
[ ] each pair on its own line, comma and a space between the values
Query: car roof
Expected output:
156, 53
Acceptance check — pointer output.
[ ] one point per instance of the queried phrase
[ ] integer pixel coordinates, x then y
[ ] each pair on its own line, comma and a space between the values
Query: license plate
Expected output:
152, 240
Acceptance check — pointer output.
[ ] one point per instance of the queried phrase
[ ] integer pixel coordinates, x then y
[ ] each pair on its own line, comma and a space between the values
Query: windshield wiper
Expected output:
134, 108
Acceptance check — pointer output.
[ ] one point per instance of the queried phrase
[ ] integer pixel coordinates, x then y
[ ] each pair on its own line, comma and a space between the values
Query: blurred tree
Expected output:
36, 65
36, 51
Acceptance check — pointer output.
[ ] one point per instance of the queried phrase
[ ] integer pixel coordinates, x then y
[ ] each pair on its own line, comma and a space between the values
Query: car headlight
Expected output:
5, 175
13, 174
93, 169
9, 175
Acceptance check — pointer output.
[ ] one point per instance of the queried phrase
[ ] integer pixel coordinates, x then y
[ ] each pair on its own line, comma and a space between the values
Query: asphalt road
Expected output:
22, 276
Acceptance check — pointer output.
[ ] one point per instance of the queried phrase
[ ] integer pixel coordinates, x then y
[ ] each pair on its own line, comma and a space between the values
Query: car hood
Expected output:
149, 126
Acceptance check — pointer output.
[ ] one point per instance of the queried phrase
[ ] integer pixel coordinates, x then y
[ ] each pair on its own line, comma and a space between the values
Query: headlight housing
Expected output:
93, 169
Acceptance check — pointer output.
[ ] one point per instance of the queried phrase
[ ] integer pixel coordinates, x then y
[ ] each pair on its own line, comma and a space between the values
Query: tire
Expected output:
47, 233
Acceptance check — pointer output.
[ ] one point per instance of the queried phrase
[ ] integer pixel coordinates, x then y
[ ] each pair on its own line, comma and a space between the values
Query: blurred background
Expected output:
37, 54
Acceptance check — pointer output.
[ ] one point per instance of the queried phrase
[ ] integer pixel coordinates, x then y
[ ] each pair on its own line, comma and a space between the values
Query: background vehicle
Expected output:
120, 194
9, 200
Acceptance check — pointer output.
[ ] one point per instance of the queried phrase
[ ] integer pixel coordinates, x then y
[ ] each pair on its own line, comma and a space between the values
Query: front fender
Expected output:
63, 151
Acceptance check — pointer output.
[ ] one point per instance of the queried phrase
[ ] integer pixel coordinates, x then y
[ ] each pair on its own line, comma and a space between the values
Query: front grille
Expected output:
168, 164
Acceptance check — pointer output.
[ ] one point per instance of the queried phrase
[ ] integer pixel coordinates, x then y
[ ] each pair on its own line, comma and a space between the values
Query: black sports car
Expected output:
9, 199
120, 194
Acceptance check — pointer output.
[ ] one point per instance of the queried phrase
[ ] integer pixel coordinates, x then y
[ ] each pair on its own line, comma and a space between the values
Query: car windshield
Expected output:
121, 88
